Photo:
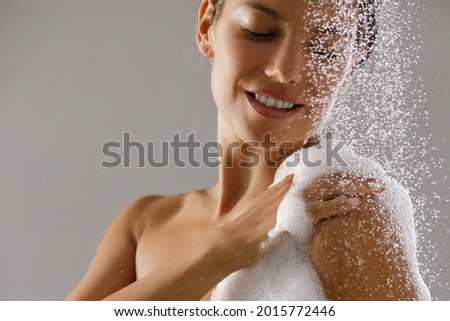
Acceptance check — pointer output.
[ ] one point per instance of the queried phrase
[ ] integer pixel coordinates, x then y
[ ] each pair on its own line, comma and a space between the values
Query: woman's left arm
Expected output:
360, 256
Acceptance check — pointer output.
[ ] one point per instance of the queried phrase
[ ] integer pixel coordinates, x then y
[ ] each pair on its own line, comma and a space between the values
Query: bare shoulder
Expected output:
369, 254
113, 266
151, 209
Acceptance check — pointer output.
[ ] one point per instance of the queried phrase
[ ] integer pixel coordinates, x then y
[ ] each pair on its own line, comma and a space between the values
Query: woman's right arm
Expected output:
187, 276
111, 275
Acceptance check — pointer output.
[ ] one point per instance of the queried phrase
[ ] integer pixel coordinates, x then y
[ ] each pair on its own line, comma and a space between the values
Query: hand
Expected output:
237, 242
338, 193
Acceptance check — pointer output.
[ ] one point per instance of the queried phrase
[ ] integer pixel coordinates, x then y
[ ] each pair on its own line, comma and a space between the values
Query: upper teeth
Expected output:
273, 102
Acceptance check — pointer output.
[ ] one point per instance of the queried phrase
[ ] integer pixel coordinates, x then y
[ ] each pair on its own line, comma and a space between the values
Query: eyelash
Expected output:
318, 49
257, 36
325, 54
267, 36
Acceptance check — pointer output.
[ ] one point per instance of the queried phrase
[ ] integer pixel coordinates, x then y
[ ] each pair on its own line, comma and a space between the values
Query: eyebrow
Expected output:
262, 8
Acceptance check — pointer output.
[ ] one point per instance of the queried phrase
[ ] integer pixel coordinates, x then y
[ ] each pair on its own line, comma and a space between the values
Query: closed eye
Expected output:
325, 54
257, 36
318, 49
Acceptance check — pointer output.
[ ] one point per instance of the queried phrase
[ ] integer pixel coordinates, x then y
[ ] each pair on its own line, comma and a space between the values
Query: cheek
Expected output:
324, 82
239, 58
326, 73
225, 75
234, 61
325, 79
223, 69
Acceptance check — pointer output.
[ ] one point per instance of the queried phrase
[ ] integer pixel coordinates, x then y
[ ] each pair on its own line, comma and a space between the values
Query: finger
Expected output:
271, 220
276, 191
329, 186
323, 209
286, 180
265, 207
282, 187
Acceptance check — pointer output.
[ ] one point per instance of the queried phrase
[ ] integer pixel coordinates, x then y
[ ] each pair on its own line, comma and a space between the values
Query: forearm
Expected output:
188, 276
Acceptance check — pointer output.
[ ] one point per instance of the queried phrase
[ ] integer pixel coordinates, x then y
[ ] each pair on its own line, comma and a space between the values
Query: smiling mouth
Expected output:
271, 102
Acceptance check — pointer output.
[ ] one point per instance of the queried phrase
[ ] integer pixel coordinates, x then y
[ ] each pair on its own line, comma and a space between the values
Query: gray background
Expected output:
76, 74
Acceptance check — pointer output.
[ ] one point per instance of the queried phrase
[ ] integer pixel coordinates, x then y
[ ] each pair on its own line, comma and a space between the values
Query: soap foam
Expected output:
287, 274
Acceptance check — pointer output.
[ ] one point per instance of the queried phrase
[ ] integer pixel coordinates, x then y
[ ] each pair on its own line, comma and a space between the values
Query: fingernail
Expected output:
353, 202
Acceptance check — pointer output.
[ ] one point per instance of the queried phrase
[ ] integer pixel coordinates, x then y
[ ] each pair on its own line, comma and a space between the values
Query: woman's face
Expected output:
297, 51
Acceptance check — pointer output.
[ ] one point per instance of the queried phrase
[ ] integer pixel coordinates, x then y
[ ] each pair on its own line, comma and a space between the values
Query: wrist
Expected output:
217, 256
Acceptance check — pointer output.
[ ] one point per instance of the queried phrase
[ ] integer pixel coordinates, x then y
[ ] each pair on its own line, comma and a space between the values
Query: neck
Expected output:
239, 183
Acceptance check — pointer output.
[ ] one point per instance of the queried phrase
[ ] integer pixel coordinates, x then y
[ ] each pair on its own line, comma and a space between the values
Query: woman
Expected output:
277, 67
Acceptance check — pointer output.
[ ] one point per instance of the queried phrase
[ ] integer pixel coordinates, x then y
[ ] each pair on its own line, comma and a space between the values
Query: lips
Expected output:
273, 112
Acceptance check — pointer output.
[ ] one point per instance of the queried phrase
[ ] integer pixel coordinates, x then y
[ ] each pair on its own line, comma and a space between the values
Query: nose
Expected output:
287, 63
